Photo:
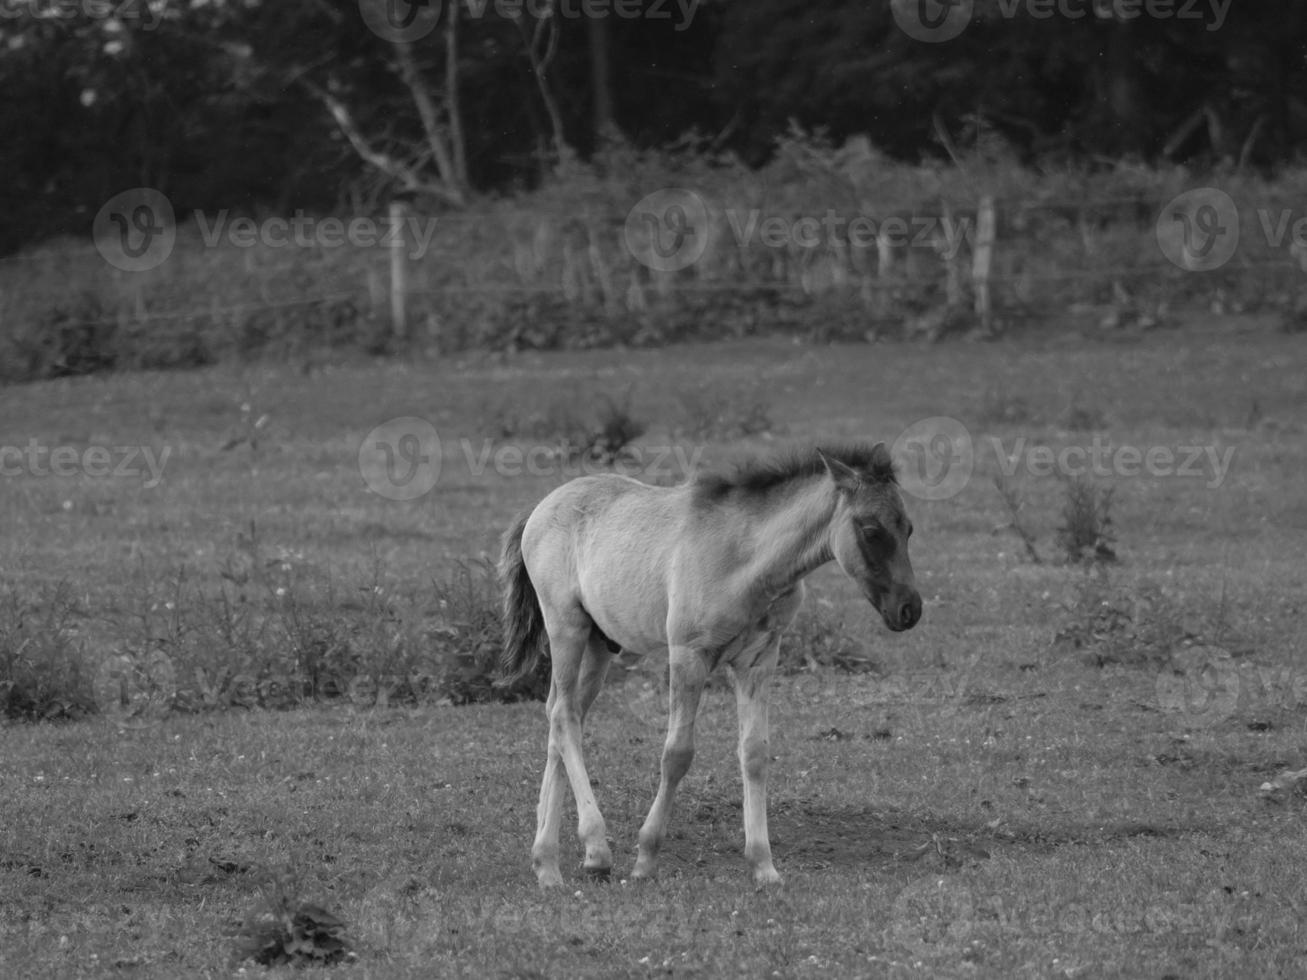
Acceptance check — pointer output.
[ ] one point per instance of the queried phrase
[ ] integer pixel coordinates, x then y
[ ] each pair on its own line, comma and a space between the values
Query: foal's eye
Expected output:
874, 533
909, 534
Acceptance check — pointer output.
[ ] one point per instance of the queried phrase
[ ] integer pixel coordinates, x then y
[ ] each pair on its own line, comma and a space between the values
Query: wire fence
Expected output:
591, 258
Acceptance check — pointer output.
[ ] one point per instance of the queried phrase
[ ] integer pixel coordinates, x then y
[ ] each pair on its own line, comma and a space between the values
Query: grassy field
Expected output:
990, 799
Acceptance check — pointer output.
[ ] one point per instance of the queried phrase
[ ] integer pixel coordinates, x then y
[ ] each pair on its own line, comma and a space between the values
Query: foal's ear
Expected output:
845, 476
881, 460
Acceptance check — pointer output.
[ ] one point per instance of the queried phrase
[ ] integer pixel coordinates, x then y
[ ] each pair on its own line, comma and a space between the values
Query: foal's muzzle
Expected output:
902, 612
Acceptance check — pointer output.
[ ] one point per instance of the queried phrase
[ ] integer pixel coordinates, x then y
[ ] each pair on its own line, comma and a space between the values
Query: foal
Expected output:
710, 571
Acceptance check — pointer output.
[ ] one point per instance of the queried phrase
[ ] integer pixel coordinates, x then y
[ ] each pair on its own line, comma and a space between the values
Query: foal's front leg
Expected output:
688, 674
751, 690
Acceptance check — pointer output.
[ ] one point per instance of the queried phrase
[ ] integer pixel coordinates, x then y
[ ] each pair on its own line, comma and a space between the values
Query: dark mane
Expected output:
758, 477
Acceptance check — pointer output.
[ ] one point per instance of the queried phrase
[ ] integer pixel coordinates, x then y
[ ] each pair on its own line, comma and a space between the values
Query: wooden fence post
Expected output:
399, 268
982, 260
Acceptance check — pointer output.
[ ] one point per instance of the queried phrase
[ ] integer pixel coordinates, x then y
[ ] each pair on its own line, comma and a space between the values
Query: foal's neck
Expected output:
796, 535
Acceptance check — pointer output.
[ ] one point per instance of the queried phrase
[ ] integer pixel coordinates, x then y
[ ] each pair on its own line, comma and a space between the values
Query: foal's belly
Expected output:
627, 610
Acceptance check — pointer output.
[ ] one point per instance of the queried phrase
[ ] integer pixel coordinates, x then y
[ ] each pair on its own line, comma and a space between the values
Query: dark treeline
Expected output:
299, 104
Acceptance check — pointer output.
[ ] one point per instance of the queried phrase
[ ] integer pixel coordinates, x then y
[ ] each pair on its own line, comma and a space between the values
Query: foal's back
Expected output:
607, 543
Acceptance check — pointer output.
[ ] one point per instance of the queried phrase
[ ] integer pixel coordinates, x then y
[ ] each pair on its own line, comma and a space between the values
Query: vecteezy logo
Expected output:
400, 459
135, 231
667, 230
934, 457
1199, 230
1200, 686
643, 694
932, 916
932, 20
400, 20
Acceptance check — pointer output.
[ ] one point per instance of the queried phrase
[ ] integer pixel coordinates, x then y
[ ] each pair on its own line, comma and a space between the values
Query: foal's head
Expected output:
869, 535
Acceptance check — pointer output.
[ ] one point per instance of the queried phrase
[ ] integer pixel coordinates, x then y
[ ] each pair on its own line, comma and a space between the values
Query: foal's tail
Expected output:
524, 626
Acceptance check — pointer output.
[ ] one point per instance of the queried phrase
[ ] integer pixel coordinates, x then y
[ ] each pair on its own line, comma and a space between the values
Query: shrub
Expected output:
1086, 530
1136, 624
1015, 504
603, 436
284, 930
44, 671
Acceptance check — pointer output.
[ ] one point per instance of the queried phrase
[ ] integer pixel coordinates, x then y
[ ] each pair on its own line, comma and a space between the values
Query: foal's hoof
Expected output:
767, 878
549, 878
597, 873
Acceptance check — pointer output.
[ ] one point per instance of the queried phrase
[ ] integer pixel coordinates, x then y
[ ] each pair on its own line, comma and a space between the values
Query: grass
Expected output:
984, 801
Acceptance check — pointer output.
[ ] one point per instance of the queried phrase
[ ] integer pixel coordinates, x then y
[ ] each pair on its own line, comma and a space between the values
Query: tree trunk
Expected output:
601, 82
458, 144
1124, 98
541, 46
426, 106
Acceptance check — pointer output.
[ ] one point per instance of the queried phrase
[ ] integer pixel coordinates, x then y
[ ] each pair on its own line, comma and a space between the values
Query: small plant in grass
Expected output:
1014, 502
1135, 623
819, 637
284, 930
45, 674
604, 436
617, 428
1086, 531
467, 636
718, 415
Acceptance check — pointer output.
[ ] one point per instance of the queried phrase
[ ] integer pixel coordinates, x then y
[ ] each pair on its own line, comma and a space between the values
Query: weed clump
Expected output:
1086, 532
45, 674
604, 436
283, 930
1134, 624
468, 638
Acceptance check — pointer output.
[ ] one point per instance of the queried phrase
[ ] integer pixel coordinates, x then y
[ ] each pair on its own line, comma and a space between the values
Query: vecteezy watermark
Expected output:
402, 459
305, 231
935, 21
401, 21
1199, 230
1202, 686
932, 21
97, 462
148, 13
672, 229
136, 230
939, 916
667, 230
412, 20
937, 456
1101, 458
932, 916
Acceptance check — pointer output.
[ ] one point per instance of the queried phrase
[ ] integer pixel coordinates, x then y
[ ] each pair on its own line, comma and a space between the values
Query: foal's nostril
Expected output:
910, 612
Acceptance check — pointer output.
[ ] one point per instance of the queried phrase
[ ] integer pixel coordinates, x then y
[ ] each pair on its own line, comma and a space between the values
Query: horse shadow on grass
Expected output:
812, 836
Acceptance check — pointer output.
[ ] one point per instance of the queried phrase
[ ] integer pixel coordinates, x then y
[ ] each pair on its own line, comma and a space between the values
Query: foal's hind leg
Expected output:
594, 668
579, 665
687, 677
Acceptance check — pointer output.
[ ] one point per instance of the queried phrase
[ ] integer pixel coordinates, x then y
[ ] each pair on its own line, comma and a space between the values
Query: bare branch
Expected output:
408, 178
426, 105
